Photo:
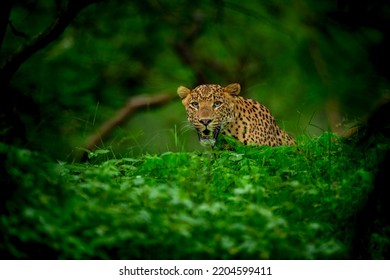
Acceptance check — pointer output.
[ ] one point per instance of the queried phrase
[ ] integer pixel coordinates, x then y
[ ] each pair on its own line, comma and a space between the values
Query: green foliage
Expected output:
307, 61
242, 203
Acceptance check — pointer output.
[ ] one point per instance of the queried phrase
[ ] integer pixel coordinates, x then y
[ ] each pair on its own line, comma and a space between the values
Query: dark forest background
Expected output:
67, 67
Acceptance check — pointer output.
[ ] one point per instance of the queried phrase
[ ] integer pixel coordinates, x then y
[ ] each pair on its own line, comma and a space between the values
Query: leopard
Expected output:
213, 110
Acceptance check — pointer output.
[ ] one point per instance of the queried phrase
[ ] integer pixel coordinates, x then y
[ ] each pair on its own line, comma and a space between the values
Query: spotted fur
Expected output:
212, 109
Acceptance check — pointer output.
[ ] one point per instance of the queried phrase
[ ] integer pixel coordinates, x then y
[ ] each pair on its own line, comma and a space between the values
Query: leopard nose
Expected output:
205, 121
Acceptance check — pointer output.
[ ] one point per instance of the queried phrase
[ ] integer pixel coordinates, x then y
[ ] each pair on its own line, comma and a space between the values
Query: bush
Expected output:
243, 203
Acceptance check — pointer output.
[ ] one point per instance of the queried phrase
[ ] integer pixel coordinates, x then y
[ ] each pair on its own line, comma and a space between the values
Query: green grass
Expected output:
243, 203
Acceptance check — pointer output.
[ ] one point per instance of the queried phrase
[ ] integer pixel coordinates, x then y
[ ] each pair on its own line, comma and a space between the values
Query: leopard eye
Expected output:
195, 104
217, 103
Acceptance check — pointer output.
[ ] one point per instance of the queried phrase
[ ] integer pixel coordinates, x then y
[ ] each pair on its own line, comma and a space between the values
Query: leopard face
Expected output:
210, 108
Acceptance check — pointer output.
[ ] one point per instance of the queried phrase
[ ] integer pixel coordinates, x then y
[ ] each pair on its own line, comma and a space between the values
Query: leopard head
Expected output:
209, 109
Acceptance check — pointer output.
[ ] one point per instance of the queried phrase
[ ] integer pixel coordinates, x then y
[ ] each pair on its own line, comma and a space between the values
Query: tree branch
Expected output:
134, 104
65, 17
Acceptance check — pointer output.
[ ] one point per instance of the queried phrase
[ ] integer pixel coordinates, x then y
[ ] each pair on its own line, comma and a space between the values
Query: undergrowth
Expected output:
243, 203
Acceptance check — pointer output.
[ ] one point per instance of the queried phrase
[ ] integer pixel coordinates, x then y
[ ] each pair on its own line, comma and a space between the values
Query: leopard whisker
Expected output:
186, 126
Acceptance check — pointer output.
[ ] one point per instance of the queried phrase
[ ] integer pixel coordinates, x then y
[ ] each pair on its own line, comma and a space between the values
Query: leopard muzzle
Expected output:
208, 136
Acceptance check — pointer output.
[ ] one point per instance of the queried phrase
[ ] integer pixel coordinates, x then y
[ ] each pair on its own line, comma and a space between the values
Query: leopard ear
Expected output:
183, 92
233, 89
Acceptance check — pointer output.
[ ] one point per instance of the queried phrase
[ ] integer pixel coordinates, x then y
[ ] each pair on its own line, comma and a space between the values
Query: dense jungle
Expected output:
98, 161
